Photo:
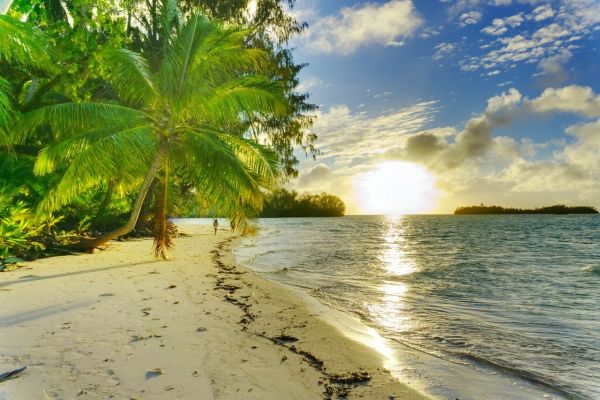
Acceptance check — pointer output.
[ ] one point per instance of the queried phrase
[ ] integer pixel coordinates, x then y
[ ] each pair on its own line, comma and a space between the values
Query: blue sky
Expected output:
495, 98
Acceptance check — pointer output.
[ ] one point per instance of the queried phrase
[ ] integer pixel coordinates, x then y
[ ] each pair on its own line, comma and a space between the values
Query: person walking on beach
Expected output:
215, 225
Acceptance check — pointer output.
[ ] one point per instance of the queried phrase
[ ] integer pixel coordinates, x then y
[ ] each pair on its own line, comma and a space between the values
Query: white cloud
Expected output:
314, 178
346, 136
542, 12
552, 69
500, 25
443, 49
569, 99
309, 83
470, 18
386, 24
476, 142
557, 30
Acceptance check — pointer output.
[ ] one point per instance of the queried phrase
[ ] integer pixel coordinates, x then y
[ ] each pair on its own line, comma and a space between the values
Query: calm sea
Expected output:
488, 307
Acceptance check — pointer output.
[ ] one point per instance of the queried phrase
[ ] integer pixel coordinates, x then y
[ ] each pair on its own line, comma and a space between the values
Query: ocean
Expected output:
468, 307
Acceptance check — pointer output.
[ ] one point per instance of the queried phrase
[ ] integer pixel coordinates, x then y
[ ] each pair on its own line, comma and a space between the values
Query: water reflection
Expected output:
389, 311
393, 258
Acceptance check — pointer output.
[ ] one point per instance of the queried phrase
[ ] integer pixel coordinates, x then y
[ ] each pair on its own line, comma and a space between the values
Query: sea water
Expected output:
473, 307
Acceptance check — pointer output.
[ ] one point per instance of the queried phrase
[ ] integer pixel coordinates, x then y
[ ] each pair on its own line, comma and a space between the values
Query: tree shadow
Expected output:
32, 278
40, 313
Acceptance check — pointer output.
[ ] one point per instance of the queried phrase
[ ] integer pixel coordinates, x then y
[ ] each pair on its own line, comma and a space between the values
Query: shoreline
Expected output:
121, 324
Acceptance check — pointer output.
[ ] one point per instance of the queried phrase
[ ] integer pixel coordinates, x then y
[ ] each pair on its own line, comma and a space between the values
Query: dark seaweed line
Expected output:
335, 385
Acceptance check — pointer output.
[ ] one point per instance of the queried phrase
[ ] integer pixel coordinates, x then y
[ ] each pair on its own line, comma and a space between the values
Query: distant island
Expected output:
284, 203
556, 209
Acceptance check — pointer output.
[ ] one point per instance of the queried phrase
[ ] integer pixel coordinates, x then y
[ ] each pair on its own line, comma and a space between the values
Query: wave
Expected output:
535, 379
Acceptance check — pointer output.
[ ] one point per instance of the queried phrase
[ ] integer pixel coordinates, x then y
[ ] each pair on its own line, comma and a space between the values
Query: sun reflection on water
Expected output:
393, 258
389, 311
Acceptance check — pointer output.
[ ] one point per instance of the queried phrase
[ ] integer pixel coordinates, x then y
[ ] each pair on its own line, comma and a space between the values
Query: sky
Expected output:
451, 103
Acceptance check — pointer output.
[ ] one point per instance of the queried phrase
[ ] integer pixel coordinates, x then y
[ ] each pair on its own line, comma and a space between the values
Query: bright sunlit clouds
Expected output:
395, 188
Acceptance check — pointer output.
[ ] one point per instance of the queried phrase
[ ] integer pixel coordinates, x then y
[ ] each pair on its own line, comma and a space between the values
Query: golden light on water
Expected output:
396, 188
393, 257
390, 310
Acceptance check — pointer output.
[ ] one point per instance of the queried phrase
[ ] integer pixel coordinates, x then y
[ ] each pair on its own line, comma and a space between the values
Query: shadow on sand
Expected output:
33, 278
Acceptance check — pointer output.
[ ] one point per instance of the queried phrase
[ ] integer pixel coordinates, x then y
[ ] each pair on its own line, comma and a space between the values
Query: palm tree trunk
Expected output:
88, 244
142, 223
162, 235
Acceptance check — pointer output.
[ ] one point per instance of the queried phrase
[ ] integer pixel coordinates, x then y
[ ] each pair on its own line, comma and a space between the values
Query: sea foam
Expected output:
594, 269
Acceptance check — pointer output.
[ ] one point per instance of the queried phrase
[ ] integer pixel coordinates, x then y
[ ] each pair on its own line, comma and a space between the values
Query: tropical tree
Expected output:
186, 119
149, 28
20, 46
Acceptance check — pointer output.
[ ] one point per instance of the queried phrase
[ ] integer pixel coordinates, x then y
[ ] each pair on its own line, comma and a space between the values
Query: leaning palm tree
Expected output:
184, 119
20, 45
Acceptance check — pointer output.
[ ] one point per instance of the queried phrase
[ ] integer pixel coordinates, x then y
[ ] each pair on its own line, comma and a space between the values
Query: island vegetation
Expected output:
114, 116
556, 209
285, 203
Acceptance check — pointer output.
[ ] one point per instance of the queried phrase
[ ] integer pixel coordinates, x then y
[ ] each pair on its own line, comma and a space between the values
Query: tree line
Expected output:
285, 203
556, 209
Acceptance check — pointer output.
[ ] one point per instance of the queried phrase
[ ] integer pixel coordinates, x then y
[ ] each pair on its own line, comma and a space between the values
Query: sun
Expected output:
396, 188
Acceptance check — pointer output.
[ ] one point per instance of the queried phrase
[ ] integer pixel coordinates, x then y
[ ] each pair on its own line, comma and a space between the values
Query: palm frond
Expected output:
71, 118
179, 58
129, 75
23, 45
64, 151
6, 112
223, 53
260, 159
248, 94
122, 154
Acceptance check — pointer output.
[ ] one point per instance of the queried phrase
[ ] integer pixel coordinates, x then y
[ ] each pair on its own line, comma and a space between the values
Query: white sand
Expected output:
118, 324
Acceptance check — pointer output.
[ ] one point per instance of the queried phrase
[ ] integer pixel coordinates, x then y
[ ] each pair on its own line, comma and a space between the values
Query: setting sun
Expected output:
395, 188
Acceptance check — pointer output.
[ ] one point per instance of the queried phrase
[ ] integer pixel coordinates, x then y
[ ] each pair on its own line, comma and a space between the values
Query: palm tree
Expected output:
187, 119
20, 45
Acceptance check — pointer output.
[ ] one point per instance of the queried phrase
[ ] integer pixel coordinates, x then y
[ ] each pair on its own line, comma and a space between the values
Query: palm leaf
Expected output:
23, 45
93, 157
223, 53
6, 112
179, 58
129, 75
247, 94
70, 118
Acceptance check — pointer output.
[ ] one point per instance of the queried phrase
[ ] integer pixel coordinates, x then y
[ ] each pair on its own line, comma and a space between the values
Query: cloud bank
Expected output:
472, 165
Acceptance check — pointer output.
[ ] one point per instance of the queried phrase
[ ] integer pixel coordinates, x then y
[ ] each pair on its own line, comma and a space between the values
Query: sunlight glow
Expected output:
396, 188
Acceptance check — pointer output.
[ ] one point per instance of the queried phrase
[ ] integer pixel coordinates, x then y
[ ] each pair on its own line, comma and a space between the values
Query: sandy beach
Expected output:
118, 324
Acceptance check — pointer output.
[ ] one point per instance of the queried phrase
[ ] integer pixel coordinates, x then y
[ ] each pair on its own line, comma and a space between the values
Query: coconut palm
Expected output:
20, 45
186, 120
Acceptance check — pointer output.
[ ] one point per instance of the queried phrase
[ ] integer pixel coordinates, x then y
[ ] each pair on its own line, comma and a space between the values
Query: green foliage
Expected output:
556, 209
88, 86
21, 44
269, 28
178, 116
17, 233
284, 203
78, 31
